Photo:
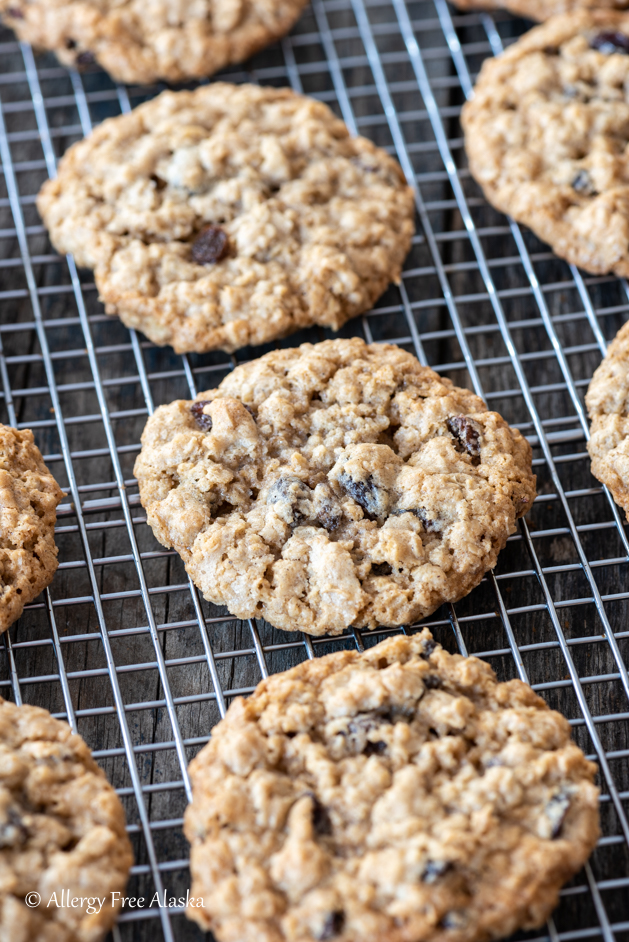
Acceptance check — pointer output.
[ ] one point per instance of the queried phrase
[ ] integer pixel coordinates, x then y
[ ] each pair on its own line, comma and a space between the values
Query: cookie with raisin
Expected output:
398, 794
139, 42
334, 484
231, 215
29, 496
546, 131
62, 833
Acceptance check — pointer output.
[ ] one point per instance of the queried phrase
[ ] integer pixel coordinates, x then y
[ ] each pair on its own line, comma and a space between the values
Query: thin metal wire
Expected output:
363, 57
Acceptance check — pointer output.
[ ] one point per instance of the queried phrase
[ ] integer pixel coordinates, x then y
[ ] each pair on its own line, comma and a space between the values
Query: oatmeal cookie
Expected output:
62, 830
149, 40
231, 215
546, 136
28, 503
607, 401
398, 795
334, 484
541, 9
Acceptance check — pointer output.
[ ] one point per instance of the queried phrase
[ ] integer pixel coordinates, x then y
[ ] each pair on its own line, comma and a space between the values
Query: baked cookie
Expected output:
148, 40
398, 795
541, 9
231, 215
28, 510
607, 401
62, 830
546, 136
334, 484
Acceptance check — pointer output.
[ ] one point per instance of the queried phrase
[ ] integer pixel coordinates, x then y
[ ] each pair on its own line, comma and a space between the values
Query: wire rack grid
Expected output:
122, 645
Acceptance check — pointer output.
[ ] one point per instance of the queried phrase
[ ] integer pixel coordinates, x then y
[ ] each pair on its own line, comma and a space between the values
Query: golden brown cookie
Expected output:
334, 484
62, 833
398, 794
28, 510
608, 406
231, 215
148, 40
546, 136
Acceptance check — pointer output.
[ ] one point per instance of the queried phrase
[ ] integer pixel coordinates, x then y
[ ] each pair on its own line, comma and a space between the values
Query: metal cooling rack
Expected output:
121, 645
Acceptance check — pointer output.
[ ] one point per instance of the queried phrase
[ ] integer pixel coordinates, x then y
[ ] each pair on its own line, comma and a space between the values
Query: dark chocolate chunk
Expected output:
381, 569
333, 925
466, 436
210, 246
365, 493
429, 646
203, 421
320, 817
556, 811
434, 869
610, 41
432, 682
85, 58
582, 183
70, 43
375, 748
13, 831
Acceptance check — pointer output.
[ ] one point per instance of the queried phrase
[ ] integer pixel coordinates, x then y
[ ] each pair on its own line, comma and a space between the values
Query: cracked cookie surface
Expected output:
334, 484
28, 510
546, 136
231, 215
62, 828
398, 795
148, 40
607, 401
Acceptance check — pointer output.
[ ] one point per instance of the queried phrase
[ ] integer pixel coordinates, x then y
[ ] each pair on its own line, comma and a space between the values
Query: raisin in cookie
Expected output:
334, 484
148, 40
541, 9
398, 795
608, 406
546, 136
28, 503
62, 830
231, 215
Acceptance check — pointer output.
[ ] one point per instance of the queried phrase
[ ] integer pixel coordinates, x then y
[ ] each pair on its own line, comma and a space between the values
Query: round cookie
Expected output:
334, 484
62, 830
541, 9
28, 510
607, 401
399, 795
231, 215
149, 40
546, 132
